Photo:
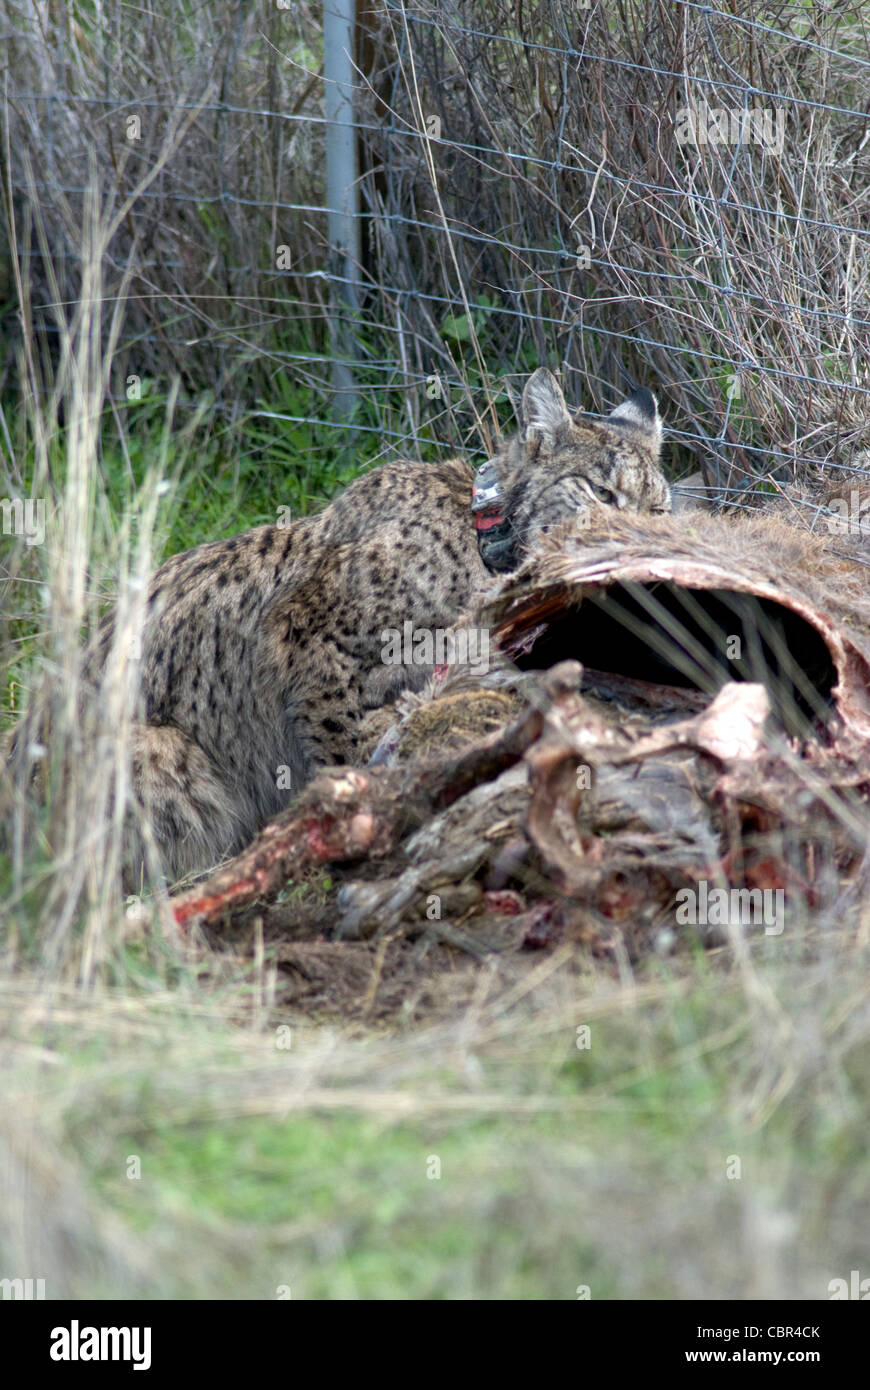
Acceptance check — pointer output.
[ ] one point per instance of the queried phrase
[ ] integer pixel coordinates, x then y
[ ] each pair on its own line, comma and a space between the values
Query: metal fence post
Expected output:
342, 193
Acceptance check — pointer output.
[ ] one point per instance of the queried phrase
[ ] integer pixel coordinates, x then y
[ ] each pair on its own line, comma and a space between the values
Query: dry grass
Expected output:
65, 794
272, 1158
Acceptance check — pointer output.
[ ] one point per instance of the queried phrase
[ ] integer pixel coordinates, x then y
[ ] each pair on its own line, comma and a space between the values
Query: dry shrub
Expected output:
65, 777
732, 279
202, 238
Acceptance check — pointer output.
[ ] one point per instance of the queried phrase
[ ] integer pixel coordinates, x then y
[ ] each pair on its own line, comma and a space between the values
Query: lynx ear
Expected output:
545, 413
642, 413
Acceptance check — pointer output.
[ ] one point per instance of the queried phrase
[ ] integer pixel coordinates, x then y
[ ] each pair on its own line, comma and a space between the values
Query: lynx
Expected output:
263, 654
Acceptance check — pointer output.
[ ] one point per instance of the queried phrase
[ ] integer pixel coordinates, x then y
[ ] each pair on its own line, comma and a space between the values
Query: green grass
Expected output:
308, 1169
233, 479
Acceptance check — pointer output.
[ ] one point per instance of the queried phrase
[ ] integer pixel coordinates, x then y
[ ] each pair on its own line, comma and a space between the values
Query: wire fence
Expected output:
630, 191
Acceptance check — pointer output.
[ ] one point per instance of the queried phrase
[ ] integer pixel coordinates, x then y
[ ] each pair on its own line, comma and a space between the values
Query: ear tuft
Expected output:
545, 413
641, 411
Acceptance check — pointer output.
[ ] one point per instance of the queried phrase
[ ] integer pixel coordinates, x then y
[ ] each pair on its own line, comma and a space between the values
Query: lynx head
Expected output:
556, 469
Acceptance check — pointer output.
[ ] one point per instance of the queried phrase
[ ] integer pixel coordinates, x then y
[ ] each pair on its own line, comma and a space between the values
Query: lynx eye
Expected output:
602, 493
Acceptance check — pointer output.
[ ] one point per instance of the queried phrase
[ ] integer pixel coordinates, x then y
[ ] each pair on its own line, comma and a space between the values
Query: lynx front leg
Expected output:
345, 715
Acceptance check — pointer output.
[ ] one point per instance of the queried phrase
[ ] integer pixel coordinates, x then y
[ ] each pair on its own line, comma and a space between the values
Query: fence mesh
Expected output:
633, 192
